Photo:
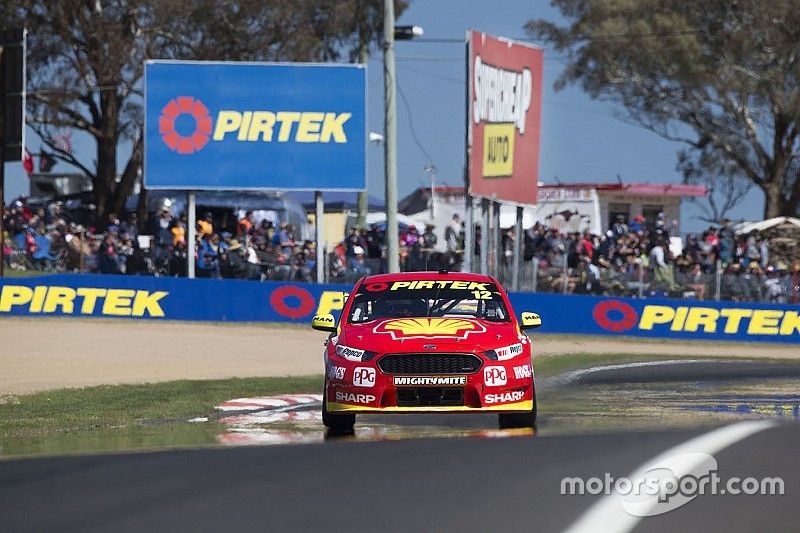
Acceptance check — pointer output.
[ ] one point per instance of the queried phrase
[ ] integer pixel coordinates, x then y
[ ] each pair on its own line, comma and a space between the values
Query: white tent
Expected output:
380, 218
747, 227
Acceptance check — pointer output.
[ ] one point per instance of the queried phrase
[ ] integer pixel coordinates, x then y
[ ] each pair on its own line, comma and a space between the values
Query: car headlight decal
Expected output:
354, 354
506, 352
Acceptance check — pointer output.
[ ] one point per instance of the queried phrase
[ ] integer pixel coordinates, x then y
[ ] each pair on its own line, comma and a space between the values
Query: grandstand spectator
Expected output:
451, 234
161, 228
352, 241
234, 262
205, 226
108, 259
374, 242
245, 225
130, 227
356, 263
207, 257
178, 260
286, 239
265, 230
793, 285
662, 271
178, 232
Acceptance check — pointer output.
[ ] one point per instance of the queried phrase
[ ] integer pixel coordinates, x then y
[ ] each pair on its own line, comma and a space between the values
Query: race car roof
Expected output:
429, 275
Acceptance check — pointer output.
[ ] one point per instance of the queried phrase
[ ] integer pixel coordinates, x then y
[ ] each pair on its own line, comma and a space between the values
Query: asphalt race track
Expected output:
469, 484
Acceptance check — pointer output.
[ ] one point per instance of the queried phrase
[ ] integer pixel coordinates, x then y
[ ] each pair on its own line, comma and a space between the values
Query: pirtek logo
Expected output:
81, 300
250, 126
619, 316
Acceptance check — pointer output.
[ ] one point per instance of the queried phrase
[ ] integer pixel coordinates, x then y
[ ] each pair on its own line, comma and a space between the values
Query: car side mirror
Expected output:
530, 320
324, 322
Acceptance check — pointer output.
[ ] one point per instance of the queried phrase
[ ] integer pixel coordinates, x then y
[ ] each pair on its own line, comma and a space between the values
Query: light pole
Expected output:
390, 116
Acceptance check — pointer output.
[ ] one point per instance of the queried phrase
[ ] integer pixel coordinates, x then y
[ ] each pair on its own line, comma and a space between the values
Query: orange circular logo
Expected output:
193, 142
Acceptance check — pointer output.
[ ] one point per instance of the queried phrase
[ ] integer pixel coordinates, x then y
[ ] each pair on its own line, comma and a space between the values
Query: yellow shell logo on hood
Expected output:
429, 327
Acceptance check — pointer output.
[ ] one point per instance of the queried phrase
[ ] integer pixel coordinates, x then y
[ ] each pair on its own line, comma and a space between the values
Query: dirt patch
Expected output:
45, 353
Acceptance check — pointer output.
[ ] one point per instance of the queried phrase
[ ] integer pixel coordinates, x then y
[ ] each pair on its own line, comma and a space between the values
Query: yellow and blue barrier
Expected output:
150, 298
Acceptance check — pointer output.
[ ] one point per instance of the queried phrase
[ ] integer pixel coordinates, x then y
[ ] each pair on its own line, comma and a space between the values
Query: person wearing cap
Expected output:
357, 264
234, 261
638, 223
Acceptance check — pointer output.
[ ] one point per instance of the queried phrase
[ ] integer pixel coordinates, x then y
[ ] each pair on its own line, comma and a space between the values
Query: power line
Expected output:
545, 101
411, 124
609, 36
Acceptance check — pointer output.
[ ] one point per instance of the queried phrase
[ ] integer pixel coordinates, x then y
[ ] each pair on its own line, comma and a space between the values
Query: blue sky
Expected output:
580, 141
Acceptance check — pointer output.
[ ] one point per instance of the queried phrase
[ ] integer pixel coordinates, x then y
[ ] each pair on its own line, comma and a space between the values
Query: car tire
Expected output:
519, 420
336, 422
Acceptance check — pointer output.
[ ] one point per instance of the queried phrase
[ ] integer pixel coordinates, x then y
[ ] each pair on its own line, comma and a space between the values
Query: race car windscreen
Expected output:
427, 298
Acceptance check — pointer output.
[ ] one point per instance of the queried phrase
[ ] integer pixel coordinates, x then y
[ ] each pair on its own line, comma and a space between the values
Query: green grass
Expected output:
113, 406
111, 418
10, 273
551, 365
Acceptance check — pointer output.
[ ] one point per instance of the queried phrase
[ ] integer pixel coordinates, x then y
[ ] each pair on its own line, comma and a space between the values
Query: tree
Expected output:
720, 76
86, 62
725, 186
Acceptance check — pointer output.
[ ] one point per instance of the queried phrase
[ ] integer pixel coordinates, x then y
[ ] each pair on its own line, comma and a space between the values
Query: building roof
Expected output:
418, 199
334, 200
661, 189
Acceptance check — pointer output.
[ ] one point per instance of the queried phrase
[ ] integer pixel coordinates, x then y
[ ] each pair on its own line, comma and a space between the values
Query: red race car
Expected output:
428, 342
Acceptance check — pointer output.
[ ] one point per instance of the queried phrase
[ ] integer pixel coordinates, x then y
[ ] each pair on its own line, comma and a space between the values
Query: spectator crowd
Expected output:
46, 238
640, 259
635, 259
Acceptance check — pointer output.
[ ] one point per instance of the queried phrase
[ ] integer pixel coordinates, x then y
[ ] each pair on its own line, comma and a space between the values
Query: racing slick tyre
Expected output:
519, 420
336, 422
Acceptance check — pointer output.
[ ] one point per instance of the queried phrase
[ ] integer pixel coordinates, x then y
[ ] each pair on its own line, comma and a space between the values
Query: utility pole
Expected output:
2, 167
363, 57
390, 144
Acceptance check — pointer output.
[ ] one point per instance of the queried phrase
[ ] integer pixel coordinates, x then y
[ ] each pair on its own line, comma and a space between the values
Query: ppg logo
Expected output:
364, 377
494, 376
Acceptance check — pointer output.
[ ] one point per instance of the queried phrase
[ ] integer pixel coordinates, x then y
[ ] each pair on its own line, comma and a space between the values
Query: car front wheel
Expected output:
519, 420
335, 421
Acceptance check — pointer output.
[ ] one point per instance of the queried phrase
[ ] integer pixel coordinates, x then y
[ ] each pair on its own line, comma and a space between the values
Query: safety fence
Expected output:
243, 301
734, 285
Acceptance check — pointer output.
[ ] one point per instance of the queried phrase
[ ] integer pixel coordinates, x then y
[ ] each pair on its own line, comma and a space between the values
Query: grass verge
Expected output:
114, 406
11, 273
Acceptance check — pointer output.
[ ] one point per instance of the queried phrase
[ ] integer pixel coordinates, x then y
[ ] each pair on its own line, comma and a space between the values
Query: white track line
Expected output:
608, 514
576, 374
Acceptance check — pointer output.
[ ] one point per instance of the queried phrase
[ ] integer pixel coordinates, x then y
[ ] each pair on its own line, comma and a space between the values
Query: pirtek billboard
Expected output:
152, 298
505, 97
255, 126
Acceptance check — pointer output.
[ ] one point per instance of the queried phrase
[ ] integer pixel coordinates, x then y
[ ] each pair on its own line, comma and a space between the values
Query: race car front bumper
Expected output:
497, 387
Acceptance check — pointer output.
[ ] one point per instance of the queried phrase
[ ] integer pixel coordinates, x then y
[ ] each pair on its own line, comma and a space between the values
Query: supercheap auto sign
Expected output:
255, 126
505, 96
